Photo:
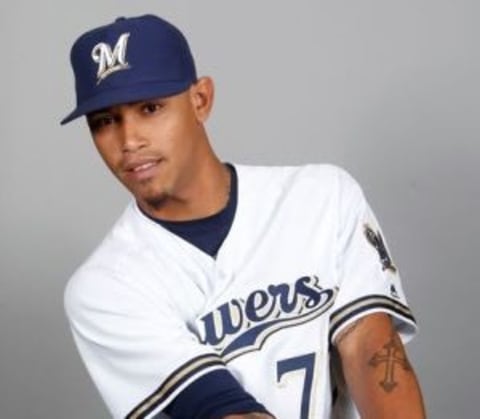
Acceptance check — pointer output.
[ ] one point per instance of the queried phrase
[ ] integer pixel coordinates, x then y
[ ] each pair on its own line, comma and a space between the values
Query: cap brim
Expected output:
126, 95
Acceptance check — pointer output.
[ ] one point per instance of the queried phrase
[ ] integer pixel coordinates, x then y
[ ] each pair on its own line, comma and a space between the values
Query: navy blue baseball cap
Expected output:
131, 59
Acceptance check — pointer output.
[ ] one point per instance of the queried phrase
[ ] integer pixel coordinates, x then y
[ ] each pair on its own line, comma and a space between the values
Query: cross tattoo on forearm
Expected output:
391, 357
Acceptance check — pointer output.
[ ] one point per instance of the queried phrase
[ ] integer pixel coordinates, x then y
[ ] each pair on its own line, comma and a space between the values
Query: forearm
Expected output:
378, 374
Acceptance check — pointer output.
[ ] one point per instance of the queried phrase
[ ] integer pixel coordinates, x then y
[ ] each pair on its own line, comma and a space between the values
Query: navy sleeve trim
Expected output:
213, 396
369, 303
192, 368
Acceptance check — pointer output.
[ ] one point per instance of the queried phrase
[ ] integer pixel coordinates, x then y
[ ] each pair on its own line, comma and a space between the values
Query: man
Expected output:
225, 291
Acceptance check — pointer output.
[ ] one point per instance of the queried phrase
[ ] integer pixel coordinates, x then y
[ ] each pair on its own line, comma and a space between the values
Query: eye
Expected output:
99, 121
151, 107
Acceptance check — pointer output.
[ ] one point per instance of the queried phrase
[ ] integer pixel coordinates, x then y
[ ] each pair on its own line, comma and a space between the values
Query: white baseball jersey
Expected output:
151, 313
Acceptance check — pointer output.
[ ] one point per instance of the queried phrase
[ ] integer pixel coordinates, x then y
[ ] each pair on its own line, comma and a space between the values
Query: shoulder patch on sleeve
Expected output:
376, 240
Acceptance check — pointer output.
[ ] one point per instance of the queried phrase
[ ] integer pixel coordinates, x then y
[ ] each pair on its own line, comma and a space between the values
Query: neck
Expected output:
206, 193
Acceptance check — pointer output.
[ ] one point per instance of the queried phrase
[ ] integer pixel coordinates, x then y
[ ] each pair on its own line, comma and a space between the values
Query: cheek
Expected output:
171, 138
108, 152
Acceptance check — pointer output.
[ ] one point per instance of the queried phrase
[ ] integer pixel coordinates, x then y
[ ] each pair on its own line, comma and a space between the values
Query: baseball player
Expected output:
225, 291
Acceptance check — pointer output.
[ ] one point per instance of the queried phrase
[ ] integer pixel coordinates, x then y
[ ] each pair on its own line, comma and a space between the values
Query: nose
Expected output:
132, 138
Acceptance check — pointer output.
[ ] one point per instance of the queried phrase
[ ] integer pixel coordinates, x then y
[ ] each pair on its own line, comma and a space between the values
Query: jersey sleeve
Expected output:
368, 279
138, 351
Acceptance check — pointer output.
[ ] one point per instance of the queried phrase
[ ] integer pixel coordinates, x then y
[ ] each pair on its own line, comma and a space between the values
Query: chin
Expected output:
155, 201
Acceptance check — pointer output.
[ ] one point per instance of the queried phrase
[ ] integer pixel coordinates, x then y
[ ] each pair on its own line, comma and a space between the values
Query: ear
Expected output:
201, 96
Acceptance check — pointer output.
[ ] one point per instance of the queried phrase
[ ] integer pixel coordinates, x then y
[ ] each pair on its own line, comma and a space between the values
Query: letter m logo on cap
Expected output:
110, 61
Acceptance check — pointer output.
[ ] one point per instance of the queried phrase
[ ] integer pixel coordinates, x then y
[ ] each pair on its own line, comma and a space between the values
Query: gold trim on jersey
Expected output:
179, 376
371, 302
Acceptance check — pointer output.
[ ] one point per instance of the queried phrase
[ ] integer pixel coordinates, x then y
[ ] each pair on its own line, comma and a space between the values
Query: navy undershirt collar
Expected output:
207, 233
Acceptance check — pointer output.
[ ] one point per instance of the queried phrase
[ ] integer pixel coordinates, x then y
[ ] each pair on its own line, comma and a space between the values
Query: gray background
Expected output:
387, 89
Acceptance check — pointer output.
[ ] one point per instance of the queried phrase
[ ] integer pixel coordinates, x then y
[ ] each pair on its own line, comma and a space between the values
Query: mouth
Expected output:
142, 167
141, 170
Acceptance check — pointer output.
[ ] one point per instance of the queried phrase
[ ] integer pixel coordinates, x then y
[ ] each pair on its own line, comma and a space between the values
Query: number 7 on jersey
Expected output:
304, 362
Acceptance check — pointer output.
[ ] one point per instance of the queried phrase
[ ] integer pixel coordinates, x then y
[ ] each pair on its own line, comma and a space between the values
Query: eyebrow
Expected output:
128, 104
